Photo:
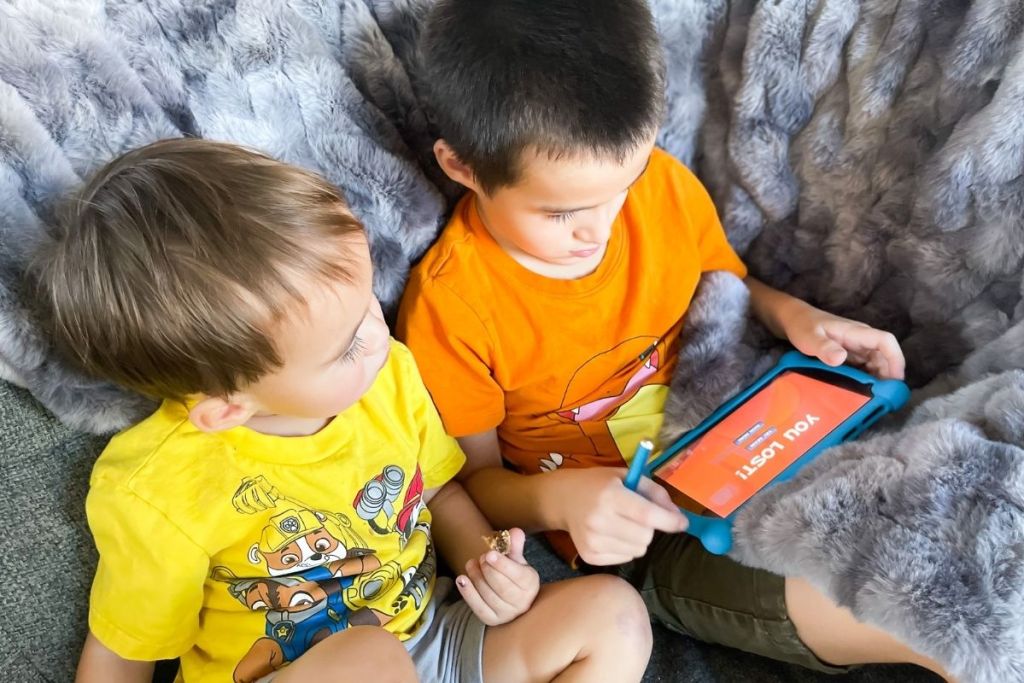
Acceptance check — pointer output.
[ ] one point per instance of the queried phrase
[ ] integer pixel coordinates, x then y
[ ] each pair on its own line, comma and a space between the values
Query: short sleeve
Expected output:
715, 251
148, 589
453, 350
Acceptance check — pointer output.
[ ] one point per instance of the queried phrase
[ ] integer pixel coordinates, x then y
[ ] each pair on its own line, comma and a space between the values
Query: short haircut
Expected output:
561, 76
170, 268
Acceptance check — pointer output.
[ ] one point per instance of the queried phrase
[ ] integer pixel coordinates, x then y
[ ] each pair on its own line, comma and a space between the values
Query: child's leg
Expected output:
594, 628
359, 653
834, 635
715, 599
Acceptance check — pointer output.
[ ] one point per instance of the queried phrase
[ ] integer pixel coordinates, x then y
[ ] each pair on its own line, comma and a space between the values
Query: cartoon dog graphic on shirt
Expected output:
301, 610
321, 578
299, 613
628, 379
300, 538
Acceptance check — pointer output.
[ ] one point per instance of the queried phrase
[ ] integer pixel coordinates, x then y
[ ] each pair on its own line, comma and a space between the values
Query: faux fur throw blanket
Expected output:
865, 155
868, 157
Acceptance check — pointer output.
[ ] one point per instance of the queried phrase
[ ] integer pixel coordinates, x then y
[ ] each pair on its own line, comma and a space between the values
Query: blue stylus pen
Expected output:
636, 466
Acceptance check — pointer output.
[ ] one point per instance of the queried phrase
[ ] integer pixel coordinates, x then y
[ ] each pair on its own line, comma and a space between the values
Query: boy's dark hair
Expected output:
560, 76
171, 266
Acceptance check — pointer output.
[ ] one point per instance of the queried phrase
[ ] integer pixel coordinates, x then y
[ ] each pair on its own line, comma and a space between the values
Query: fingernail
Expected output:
491, 557
461, 581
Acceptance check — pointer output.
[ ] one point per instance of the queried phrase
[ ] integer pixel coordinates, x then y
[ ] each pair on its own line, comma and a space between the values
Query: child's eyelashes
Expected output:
354, 351
561, 217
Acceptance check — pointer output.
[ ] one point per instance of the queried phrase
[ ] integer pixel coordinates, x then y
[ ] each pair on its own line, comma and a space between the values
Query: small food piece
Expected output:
500, 541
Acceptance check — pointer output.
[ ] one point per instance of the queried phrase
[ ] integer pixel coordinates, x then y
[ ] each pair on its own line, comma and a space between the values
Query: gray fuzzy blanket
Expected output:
869, 157
865, 155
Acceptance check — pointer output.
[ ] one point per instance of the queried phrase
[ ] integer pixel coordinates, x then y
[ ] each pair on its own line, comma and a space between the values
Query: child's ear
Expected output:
215, 414
453, 166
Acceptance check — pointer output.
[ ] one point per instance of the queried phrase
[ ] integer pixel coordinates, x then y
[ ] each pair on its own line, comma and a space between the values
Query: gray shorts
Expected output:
449, 645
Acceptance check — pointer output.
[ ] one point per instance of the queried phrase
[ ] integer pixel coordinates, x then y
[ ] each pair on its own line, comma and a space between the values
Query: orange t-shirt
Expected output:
572, 373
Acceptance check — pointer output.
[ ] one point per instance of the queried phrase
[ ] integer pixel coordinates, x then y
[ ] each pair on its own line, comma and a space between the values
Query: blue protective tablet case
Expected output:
715, 533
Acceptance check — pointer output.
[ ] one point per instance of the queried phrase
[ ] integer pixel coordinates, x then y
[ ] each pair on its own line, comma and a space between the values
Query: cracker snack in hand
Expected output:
500, 541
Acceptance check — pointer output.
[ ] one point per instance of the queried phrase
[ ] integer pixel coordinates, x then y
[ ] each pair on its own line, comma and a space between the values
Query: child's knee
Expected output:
618, 606
380, 652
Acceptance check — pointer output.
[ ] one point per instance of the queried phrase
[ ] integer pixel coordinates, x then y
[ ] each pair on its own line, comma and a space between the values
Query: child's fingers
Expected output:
499, 573
516, 544
879, 343
523, 576
830, 352
619, 536
648, 514
495, 601
601, 551
476, 603
654, 492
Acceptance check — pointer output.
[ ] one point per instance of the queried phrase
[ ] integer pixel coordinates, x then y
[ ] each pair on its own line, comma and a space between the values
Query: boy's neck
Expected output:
284, 425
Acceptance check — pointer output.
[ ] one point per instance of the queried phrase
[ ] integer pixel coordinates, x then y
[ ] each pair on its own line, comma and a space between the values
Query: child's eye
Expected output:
561, 217
354, 351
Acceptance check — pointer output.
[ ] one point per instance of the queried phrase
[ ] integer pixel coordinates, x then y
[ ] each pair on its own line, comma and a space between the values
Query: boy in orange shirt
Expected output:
546, 320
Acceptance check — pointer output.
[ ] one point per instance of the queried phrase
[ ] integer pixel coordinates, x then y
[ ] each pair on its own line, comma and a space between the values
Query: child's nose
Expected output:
594, 233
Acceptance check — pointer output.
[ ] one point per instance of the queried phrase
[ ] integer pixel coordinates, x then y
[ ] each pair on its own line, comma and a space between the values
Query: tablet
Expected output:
761, 437
765, 435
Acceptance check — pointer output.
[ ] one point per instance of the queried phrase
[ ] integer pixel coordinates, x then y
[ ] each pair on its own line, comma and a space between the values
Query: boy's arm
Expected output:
498, 588
608, 523
832, 339
100, 664
507, 498
457, 525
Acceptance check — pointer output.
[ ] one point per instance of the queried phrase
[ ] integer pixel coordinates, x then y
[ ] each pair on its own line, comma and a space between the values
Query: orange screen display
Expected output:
758, 440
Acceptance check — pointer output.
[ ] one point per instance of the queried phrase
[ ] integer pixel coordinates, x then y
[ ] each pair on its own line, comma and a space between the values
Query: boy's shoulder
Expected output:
457, 249
666, 179
144, 457
457, 272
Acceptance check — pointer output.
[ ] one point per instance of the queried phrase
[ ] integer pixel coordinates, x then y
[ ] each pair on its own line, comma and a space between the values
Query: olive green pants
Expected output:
717, 600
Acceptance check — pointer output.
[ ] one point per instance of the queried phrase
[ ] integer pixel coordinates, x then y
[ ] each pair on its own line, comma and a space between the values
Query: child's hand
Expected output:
608, 523
498, 588
836, 340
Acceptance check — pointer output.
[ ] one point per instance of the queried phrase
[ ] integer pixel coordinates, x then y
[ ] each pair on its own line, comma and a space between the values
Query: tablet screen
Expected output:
759, 439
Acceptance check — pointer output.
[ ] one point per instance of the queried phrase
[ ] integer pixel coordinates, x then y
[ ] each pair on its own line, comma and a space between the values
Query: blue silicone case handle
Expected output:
887, 396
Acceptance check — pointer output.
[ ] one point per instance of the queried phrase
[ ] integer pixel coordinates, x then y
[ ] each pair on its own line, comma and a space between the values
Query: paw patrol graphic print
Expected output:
314, 572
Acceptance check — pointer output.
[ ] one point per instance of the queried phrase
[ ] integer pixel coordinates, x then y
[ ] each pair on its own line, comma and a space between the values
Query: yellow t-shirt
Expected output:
571, 373
237, 550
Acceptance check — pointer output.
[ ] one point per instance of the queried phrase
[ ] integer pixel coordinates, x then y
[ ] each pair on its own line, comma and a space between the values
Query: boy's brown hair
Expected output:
171, 266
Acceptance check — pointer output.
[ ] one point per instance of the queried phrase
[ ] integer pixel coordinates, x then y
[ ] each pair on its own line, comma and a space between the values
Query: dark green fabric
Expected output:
716, 600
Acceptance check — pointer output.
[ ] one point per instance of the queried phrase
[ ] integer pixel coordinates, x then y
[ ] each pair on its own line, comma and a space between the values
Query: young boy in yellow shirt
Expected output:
547, 318
276, 518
